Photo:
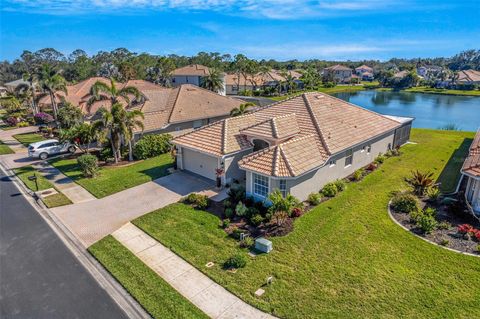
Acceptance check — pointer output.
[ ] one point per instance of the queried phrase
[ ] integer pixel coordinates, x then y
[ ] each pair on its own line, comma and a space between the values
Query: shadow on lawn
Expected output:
450, 175
157, 171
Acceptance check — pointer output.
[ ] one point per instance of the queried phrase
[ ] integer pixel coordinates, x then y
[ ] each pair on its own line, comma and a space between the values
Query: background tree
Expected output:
241, 109
161, 73
213, 81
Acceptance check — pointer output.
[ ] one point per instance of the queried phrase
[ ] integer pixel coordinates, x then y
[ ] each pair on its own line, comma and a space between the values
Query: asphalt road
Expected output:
39, 276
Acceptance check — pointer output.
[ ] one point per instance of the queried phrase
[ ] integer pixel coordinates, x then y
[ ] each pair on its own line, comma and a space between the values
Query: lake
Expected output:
429, 110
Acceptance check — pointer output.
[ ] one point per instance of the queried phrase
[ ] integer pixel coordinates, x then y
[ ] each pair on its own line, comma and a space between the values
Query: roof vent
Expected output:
319, 96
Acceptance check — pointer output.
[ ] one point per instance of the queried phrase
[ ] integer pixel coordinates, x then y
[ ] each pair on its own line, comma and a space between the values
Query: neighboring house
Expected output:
79, 94
338, 73
364, 72
182, 109
471, 171
3, 91
400, 75
429, 72
237, 82
192, 74
468, 77
11, 86
297, 145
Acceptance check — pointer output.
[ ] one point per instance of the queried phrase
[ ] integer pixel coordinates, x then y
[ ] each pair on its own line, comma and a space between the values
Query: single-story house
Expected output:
237, 82
429, 71
338, 73
468, 77
166, 110
296, 145
193, 74
471, 171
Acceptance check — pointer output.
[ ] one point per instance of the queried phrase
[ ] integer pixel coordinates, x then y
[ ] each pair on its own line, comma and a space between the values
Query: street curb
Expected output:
113, 288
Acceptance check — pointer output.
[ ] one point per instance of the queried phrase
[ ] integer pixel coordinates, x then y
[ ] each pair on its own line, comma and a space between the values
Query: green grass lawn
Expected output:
111, 180
28, 138
5, 127
156, 296
4, 149
50, 201
345, 258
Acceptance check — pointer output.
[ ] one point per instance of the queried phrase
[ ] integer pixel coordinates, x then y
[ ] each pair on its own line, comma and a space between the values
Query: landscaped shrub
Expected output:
297, 212
236, 194
228, 212
43, 118
341, 185
330, 190
88, 164
198, 201
420, 182
241, 209
236, 261
314, 199
426, 223
379, 159
152, 145
280, 203
405, 203
279, 218
247, 242
444, 242
226, 223
372, 166
11, 121
252, 211
444, 225
256, 220
23, 124
433, 193
358, 174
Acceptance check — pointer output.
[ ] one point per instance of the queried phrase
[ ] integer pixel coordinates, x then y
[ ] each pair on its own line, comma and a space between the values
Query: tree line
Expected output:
122, 64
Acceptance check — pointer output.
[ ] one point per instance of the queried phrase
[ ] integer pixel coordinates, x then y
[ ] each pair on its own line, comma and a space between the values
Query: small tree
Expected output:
88, 164
279, 203
69, 115
82, 135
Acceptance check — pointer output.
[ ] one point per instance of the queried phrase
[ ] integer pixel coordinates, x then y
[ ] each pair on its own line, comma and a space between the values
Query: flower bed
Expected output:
446, 221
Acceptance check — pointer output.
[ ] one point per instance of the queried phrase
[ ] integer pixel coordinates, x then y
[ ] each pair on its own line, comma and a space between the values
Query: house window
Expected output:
178, 128
283, 187
332, 162
260, 185
197, 123
369, 148
349, 158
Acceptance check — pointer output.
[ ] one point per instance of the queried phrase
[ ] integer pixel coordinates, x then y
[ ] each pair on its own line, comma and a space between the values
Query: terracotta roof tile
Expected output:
192, 69
471, 165
331, 125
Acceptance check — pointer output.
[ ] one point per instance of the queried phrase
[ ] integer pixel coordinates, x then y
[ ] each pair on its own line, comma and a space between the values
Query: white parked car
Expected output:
44, 149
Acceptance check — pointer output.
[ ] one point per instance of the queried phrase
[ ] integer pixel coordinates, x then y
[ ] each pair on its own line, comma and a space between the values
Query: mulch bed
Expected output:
454, 217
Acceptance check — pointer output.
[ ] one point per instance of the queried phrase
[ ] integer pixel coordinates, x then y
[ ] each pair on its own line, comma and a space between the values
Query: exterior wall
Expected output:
234, 89
178, 80
232, 171
313, 181
473, 193
197, 163
402, 134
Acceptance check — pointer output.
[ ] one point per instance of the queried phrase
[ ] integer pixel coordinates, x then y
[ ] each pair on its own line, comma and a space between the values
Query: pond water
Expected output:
429, 110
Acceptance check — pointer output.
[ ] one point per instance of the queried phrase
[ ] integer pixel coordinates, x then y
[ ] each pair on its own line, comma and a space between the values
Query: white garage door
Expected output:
199, 163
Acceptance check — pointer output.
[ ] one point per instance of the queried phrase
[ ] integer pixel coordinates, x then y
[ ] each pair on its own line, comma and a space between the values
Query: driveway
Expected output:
91, 221
20, 157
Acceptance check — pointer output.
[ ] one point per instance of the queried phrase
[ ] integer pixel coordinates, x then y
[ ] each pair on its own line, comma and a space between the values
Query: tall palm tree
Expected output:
110, 126
242, 109
50, 81
26, 96
101, 91
29, 89
133, 119
213, 81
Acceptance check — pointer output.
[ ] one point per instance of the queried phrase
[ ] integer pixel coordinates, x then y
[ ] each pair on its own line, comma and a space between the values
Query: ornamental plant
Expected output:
236, 261
420, 182
314, 199
152, 145
241, 209
43, 118
88, 164
329, 190
465, 229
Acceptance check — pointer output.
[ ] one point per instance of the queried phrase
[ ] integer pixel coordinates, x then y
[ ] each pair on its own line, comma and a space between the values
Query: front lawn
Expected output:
4, 149
345, 258
111, 180
28, 138
156, 296
50, 201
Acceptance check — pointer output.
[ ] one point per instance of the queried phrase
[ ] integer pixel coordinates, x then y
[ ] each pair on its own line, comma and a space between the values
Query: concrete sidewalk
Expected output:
200, 290
74, 192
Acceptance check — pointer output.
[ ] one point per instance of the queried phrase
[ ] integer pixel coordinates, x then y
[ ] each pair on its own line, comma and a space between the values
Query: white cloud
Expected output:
272, 9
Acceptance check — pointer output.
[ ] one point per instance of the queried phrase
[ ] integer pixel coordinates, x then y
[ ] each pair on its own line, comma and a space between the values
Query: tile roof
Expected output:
364, 67
259, 79
338, 67
192, 69
278, 127
332, 125
468, 76
471, 165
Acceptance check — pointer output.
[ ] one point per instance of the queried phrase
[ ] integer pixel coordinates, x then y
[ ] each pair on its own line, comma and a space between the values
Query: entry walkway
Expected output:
200, 290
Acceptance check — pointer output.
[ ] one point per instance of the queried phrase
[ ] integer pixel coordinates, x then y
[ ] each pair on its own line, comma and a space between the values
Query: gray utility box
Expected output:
263, 245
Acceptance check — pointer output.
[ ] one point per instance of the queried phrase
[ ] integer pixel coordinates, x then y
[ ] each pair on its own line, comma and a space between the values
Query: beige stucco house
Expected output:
193, 74
297, 145
471, 171
338, 73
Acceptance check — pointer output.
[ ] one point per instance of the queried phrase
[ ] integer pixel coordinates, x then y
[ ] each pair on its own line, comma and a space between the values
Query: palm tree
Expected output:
133, 120
101, 91
213, 81
242, 109
110, 126
51, 82
29, 90
290, 83
26, 96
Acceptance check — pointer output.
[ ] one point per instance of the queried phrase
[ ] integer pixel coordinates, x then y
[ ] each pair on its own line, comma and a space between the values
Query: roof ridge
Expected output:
315, 123
174, 103
224, 135
287, 162
274, 127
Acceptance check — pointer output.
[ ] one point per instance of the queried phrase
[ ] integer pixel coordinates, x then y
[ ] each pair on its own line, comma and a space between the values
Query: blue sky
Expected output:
279, 29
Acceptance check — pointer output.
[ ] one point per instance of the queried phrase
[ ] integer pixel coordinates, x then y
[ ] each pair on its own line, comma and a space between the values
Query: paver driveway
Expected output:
91, 221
